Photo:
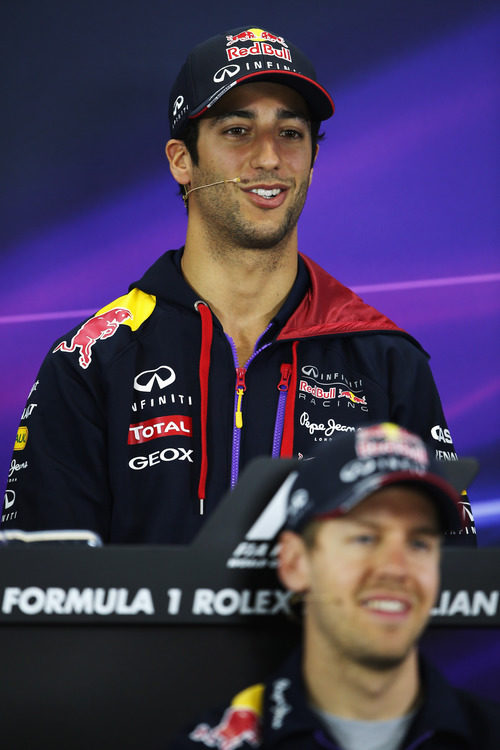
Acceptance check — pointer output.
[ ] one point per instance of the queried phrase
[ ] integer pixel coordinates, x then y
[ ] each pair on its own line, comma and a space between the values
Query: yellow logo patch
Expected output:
21, 439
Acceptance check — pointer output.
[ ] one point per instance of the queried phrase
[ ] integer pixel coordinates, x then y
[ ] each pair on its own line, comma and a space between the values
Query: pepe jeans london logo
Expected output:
326, 429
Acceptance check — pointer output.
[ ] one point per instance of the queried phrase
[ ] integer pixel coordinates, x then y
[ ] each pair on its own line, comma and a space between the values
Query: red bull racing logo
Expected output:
99, 327
238, 725
352, 397
263, 43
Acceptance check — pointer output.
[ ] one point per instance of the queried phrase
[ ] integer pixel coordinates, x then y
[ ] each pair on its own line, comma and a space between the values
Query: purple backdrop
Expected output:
403, 205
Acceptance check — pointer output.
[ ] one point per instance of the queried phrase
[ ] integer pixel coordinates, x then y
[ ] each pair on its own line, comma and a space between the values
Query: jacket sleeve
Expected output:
58, 475
415, 404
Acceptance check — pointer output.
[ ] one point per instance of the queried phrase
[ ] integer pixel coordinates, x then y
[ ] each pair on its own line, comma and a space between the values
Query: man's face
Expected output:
259, 132
371, 578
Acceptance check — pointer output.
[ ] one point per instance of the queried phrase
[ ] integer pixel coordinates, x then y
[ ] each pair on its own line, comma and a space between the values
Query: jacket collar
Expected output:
286, 708
329, 308
441, 711
287, 713
317, 304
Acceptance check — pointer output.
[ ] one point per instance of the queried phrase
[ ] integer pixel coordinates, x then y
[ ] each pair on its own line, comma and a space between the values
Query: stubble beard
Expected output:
362, 651
382, 662
226, 226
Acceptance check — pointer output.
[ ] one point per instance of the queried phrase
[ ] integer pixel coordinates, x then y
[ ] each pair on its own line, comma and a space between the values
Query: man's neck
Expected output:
244, 288
353, 691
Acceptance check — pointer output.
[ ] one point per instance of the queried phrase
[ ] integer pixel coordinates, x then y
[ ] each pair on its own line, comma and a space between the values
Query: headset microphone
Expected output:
210, 184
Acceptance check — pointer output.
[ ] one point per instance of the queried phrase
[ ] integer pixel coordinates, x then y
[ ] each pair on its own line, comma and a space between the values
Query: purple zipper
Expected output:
240, 381
286, 372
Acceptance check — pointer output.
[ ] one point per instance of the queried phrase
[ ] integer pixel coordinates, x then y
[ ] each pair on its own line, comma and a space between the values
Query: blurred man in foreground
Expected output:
362, 545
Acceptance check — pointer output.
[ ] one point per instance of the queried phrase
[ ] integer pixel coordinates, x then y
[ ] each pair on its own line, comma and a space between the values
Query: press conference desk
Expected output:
119, 646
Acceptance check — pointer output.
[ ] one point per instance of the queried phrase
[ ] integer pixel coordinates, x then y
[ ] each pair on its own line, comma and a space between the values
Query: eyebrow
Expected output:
427, 530
248, 114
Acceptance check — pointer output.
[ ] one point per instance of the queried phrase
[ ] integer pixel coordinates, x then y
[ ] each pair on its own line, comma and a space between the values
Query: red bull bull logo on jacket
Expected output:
236, 727
99, 327
240, 723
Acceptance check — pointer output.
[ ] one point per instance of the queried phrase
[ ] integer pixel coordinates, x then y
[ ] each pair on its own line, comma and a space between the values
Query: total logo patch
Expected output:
151, 429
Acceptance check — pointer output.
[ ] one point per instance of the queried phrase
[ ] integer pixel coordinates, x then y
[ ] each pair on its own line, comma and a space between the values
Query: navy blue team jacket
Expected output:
276, 714
141, 418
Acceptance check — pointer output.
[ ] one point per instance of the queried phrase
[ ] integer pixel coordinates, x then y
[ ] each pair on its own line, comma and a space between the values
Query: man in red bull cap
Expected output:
361, 548
232, 346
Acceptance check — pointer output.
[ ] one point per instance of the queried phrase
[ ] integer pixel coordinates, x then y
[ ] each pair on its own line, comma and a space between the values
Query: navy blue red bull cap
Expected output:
356, 464
243, 55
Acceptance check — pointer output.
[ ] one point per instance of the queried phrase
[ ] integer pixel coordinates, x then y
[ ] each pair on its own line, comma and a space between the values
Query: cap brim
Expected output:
445, 495
445, 490
318, 99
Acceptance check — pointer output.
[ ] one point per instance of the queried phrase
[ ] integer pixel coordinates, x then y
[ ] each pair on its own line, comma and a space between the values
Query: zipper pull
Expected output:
240, 390
286, 372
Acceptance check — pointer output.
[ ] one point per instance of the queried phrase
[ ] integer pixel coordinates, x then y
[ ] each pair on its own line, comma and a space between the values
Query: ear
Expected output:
179, 160
293, 562
314, 162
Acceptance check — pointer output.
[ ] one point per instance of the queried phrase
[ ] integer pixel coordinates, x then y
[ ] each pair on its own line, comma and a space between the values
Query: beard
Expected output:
354, 644
381, 663
225, 223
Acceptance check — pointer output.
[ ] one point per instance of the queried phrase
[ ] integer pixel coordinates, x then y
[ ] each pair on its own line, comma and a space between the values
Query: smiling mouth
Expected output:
263, 193
386, 605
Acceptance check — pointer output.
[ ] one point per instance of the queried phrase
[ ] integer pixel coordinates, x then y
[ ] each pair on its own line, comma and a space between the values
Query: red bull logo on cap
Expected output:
99, 327
388, 438
258, 35
264, 43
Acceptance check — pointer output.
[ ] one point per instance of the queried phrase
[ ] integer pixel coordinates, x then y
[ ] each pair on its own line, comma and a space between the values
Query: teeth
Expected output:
266, 193
386, 605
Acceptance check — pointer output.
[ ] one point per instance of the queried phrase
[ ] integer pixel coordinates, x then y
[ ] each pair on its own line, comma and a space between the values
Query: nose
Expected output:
392, 560
265, 154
